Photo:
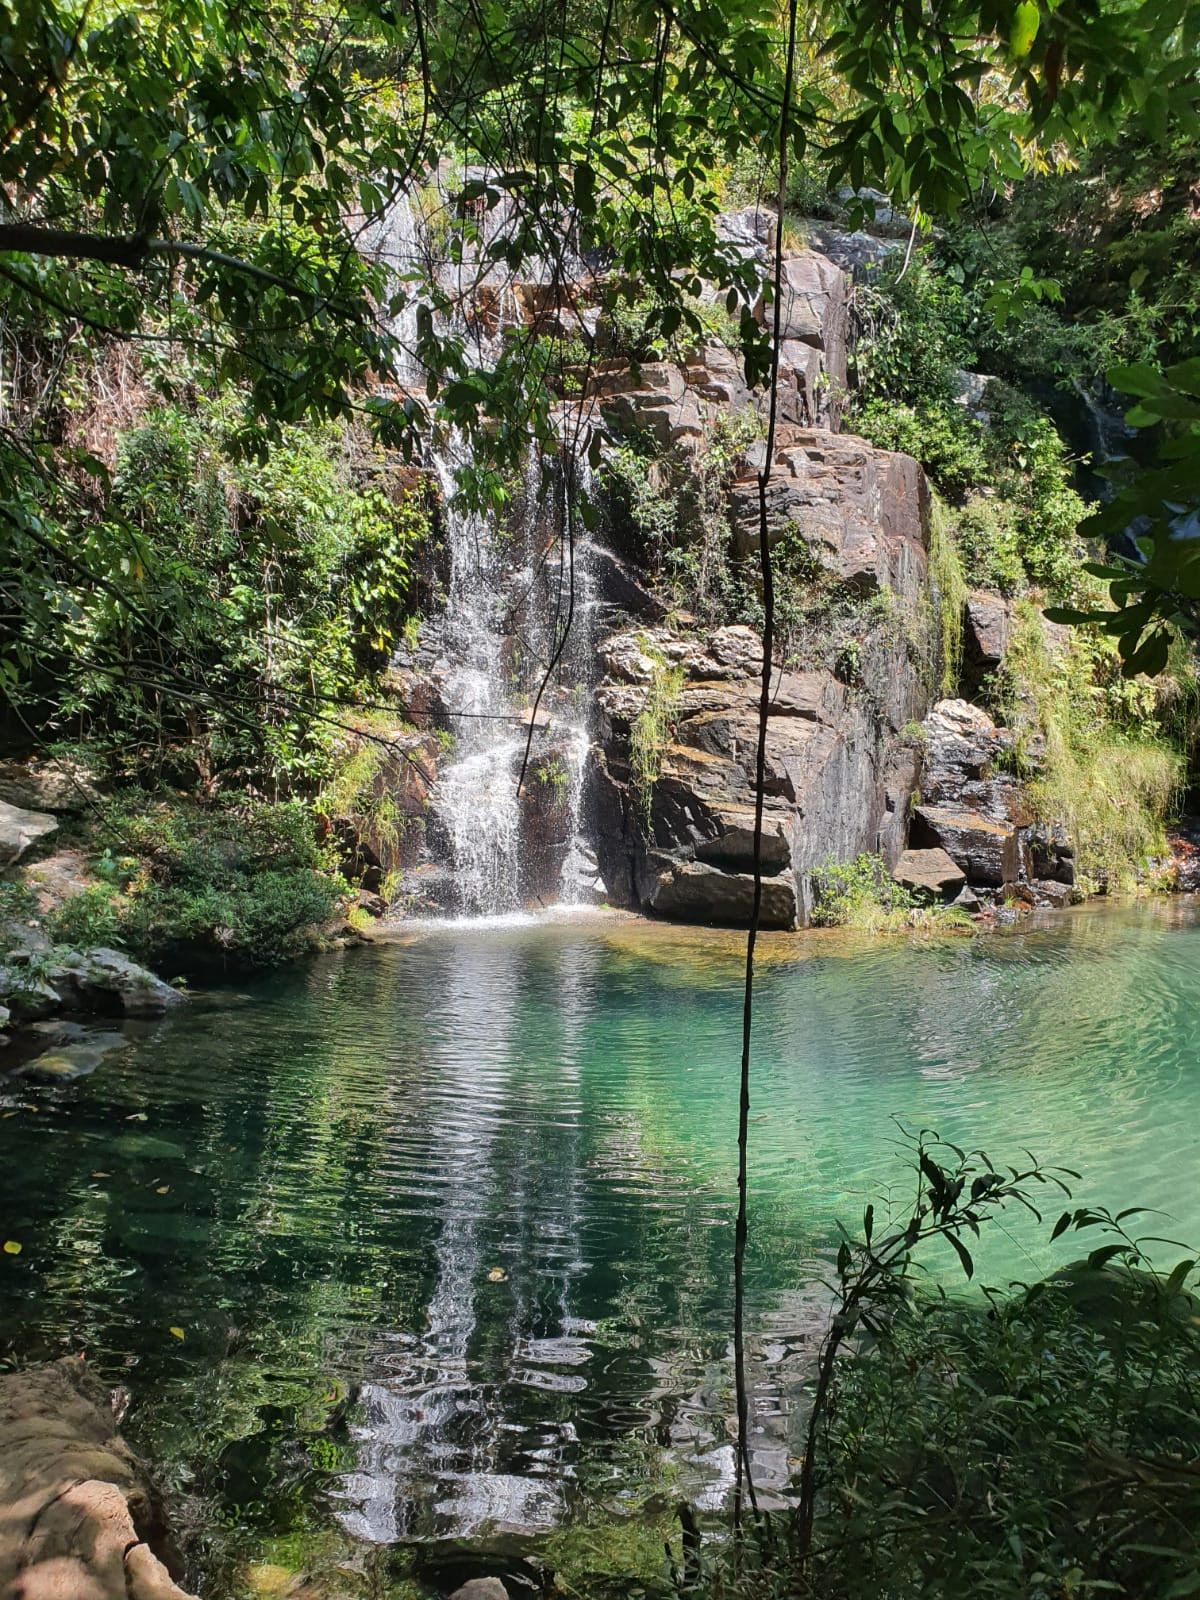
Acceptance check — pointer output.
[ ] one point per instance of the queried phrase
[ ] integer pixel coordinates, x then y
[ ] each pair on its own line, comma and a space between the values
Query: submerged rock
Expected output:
76, 1059
79, 1519
481, 1589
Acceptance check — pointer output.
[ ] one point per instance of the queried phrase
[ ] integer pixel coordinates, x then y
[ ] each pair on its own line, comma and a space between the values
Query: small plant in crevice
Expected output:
651, 729
553, 775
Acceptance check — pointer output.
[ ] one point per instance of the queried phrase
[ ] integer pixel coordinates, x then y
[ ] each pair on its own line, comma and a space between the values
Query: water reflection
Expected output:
481, 1184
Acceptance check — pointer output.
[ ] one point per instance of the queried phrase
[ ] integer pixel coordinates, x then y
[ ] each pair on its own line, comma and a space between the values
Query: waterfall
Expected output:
508, 601
394, 237
507, 844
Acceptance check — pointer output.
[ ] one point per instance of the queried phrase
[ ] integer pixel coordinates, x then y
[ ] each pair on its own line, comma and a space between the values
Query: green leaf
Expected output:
963, 1254
1023, 30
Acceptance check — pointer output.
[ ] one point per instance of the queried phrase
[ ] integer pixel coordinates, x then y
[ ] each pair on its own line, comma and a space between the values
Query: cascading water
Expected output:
518, 620
509, 602
477, 796
394, 237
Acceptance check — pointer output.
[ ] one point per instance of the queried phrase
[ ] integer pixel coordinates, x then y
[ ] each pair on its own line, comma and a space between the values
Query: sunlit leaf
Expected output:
1024, 29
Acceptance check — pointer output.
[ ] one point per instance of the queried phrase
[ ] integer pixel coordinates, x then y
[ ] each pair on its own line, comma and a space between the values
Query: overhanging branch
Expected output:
134, 250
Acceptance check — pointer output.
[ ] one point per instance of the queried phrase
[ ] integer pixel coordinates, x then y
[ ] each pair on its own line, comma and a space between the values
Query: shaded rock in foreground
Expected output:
19, 829
78, 1516
106, 981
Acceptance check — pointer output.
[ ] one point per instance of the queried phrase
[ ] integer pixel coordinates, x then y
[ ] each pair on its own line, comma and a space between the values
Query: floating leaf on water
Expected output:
497, 1275
101, 1174
178, 1332
11, 1247
137, 1116
6, 1116
163, 1190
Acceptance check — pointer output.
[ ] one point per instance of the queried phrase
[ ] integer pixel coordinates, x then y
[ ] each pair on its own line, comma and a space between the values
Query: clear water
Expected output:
486, 1175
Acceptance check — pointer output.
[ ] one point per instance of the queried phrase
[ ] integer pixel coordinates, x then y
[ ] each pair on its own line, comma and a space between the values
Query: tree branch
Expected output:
133, 250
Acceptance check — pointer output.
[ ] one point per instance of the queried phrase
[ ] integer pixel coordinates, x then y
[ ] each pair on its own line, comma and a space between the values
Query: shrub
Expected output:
987, 539
195, 887
17, 901
863, 894
87, 919
937, 432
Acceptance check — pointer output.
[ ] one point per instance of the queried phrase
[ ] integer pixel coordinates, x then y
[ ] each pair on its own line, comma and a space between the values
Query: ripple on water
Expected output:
475, 1188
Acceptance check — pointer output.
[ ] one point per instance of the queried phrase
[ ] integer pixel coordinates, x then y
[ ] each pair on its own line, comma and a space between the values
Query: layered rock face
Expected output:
979, 814
838, 775
674, 403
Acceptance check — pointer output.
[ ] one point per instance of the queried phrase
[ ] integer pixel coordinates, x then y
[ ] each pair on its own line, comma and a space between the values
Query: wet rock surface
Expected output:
79, 1519
987, 628
839, 777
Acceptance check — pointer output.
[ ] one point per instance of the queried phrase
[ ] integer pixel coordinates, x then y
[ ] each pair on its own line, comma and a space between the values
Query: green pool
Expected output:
429, 1245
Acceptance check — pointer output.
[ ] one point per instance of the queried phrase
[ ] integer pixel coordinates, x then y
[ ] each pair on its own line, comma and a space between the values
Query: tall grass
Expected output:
652, 728
1095, 751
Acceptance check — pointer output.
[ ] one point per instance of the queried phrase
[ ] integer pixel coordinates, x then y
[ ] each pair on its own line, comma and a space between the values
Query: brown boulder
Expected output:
814, 308
987, 626
862, 512
930, 870
987, 851
693, 891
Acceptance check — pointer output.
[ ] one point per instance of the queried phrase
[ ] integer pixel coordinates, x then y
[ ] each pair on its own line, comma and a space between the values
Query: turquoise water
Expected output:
445, 1225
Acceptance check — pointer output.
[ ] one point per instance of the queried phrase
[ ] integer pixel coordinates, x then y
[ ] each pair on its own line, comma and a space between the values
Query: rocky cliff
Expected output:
662, 812
840, 774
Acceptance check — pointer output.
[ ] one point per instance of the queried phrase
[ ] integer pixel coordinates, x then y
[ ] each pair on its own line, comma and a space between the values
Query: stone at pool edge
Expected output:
481, 1589
932, 870
79, 1510
96, 980
82, 978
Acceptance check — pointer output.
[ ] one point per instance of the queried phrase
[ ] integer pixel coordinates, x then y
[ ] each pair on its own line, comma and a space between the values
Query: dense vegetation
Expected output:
211, 530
